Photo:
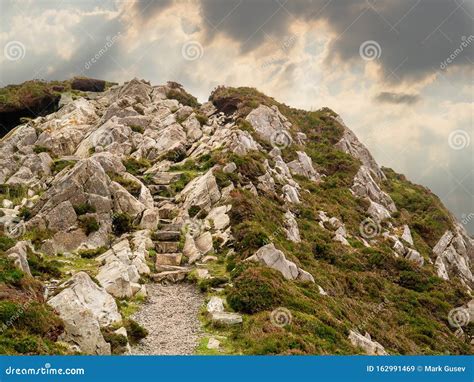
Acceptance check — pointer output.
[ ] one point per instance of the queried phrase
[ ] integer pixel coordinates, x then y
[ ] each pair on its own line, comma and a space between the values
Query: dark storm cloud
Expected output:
150, 8
415, 36
97, 51
397, 98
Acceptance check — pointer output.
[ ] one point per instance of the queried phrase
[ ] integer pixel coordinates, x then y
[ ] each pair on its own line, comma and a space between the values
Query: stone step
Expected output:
170, 276
157, 189
166, 268
164, 235
172, 227
165, 177
168, 259
167, 246
158, 198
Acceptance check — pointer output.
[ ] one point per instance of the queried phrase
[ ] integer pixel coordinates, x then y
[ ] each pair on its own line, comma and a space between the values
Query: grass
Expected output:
60, 164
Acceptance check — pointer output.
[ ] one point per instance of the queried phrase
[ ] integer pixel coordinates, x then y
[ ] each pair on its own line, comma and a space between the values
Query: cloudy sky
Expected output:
400, 73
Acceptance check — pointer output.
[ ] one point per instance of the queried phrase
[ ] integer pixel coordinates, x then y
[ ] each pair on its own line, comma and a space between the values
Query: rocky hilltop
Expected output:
136, 220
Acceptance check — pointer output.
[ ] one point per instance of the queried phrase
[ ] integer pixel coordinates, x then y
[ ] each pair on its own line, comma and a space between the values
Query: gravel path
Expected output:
170, 314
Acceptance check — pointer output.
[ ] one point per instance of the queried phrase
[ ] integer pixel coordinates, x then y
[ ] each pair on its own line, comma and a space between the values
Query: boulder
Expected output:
226, 319
407, 234
117, 278
201, 192
268, 123
291, 227
304, 166
215, 304
291, 194
366, 343
19, 254
85, 308
218, 218
365, 186
274, 258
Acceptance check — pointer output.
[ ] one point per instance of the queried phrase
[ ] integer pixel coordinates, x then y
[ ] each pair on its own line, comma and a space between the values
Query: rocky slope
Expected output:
298, 241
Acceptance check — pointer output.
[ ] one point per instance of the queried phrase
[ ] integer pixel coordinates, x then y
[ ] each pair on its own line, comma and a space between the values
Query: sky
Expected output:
399, 73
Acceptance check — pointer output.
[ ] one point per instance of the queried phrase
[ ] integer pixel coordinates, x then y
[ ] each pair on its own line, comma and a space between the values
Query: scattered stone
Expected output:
366, 343
215, 304
226, 318
213, 344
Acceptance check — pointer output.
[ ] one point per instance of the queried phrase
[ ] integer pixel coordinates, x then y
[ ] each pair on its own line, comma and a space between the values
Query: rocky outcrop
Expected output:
381, 204
121, 269
85, 308
366, 343
270, 125
453, 255
304, 166
19, 254
274, 258
201, 192
351, 145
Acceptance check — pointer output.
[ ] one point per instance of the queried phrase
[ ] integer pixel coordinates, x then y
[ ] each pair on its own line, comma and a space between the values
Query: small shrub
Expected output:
213, 282
40, 149
117, 342
202, 119
42, 267
25, 213
89, 224
6, 243
121, 223
135, 331
84, 208
131, 186
193, 211
91, 253
136, 166
182, 97
61, 164
137, 129
9, 274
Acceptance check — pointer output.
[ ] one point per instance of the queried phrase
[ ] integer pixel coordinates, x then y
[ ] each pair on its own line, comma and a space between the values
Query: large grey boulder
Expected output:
366, 343
275, 259
201, 192
365, 186
291, 227
452, 253
304, 166
269, 123
19, 254
122, 267
85, 308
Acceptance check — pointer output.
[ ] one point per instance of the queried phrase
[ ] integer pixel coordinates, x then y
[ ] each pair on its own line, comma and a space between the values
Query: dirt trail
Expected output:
170, 315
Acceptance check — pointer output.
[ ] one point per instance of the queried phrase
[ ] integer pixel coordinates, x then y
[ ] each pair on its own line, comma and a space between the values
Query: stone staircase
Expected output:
168, 253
